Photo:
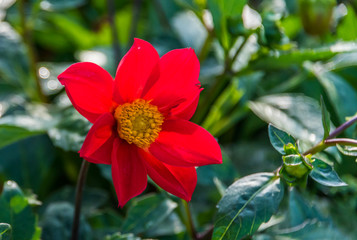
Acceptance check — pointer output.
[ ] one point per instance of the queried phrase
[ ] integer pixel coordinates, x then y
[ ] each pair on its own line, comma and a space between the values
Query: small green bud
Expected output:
290, 149
295, 165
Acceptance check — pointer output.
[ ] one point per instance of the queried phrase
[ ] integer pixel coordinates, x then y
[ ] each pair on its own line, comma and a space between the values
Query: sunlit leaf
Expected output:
347, 150
247, 203
119, 236
5, 231
11, 134
293, 113
281, 59
340, 93
70, 131
60, 5
190, 30
347, 30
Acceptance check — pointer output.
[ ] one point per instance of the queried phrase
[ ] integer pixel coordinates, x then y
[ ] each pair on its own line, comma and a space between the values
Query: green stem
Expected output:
27, 38
343, 127
135, 20
328, 143
79, 192
315, 149
114, 32
161, 15
220, 83
230, 63
341, 141
189, 222
205, 48
331, 141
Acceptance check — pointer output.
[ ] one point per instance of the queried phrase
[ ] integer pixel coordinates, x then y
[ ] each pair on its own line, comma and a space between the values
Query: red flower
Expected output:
140, 119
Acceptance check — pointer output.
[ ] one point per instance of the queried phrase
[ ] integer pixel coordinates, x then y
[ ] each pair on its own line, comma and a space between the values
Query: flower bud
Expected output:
316, 15
295, 165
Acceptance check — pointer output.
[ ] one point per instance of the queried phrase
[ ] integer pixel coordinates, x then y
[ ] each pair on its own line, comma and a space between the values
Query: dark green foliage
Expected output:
146, 213
247, 203
17, 213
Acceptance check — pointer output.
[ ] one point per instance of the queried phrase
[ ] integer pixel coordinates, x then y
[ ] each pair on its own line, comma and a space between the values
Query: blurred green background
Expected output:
261, 61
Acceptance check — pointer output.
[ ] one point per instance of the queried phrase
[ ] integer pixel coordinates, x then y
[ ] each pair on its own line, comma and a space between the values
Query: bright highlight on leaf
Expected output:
140, 119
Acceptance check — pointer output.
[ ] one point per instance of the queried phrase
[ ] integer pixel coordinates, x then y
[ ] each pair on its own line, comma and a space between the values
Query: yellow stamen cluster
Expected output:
138, 122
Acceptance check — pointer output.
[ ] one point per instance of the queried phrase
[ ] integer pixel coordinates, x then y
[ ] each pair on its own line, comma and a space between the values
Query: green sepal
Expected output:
295, 165
290, 149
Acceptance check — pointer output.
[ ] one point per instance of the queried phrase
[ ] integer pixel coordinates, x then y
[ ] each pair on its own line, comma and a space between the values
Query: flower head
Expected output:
140, 119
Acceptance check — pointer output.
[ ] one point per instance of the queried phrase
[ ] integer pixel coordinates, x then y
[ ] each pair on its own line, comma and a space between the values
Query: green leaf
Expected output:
16, 211
92, 198
342, 61
300, 209
225, 112
297, 114
61, 5
5, 231
325, 119
147, 213
71, 130
233, 8
340, 93
279, 138
104, 222
14, 64
29, 162
221, 11
170, 226
57, 222
247, 204
325, 174
347, 150
282, 59
225, 172
11, 134
190, 30
76, 32
347, 30
119, 236
306, 222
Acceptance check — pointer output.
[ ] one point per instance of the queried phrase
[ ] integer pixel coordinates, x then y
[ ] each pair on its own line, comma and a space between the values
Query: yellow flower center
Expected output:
138, 122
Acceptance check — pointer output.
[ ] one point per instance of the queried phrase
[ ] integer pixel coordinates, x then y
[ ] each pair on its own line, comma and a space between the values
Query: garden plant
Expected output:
178, 119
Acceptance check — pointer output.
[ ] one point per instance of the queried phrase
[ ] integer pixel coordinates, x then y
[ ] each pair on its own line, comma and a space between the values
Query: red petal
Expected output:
97, 146
178, 82
185, 144
128, 171
180, 181
187, 108
89, 88
137, 66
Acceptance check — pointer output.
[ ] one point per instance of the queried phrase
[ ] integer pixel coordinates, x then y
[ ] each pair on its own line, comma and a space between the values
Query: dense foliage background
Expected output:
262, 61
